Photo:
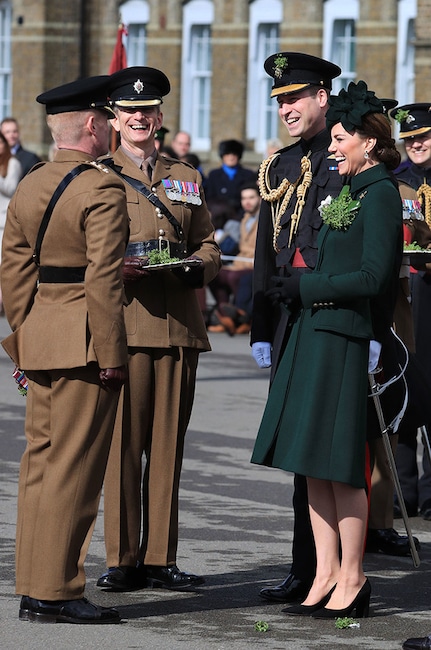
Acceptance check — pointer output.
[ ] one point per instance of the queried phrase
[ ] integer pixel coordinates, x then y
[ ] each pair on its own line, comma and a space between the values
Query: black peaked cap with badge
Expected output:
414, 119
80, 95
294, 71
388, 105
138, 86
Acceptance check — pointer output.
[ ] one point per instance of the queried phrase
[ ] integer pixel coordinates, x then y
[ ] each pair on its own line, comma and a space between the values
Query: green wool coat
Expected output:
315, 417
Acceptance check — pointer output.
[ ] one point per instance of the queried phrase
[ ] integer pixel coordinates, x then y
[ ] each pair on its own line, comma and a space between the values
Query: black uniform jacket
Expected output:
326, 181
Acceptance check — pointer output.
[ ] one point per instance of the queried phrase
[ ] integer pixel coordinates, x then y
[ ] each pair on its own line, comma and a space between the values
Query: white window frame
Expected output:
135, 15
5, 58
335, 10
195, 13
405, 70
259, 102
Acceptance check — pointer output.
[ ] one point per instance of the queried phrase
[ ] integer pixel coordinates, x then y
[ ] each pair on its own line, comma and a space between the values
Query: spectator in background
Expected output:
10, 175
180, 148
226, 181
180, 144
10, 128
232, 287
226, 226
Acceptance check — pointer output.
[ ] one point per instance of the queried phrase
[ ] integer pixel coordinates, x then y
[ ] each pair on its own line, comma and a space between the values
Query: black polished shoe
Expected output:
122, 578
423, 643
388, 542
288, 591
80, 611
170, 577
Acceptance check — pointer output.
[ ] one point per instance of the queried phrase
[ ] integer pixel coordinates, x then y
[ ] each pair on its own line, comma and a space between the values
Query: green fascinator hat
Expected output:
351, 105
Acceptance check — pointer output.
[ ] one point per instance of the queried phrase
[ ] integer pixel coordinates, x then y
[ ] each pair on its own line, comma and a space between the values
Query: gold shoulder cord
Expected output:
424, 196
280, 196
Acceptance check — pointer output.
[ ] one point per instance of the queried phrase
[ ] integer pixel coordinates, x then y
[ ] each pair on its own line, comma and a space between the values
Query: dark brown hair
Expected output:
376, 125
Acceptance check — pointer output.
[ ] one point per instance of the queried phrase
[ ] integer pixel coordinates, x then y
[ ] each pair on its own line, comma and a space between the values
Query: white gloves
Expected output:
262, 354
374, 355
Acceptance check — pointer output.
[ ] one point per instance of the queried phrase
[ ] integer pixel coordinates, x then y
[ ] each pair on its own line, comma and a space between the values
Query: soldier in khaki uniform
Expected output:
63, 297
165, 334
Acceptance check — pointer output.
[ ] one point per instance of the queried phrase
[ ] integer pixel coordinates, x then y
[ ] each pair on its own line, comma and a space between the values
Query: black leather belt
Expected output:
141, 248
58, 274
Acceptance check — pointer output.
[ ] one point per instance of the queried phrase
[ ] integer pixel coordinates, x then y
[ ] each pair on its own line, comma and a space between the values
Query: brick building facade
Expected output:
53, 42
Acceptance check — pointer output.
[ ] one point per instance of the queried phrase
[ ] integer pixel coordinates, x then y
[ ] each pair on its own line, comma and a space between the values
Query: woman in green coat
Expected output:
314, 423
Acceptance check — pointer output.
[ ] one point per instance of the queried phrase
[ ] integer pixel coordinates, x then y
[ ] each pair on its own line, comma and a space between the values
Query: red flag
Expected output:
119, 58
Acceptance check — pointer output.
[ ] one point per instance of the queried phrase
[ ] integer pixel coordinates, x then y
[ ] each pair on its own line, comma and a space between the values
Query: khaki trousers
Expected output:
69, 422
153, 415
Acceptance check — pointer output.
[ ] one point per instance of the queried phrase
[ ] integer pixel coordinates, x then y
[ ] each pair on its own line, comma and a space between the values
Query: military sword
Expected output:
374, 386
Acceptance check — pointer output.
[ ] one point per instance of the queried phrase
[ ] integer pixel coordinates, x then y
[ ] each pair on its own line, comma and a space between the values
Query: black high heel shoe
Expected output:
361, 603
307, 610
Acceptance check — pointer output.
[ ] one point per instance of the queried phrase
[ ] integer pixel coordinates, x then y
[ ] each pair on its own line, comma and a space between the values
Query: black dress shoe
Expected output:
288, 591
307, 610
170, 577
66, 611
425, 510
122, 578
423, 643
361, 604
388, 542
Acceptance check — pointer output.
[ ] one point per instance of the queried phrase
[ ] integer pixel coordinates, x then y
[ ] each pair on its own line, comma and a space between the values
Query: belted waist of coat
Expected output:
62, 274
142, 248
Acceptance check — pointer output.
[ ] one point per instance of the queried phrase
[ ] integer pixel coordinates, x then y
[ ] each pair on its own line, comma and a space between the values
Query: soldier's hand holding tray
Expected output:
134, 268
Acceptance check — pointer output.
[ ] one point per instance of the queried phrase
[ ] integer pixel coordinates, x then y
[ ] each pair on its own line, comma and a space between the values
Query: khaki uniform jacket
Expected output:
58, 326
162, 310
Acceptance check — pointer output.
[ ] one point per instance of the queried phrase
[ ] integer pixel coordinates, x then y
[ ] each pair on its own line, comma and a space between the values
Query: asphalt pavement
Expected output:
236, 523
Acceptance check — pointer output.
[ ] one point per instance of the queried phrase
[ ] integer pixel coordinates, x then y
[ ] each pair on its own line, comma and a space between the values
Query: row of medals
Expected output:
184, 191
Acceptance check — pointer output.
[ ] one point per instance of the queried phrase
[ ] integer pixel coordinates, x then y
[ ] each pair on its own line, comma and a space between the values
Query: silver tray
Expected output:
417, 257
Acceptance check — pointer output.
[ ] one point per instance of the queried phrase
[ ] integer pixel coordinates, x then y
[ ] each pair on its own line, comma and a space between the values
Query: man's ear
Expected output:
115, 124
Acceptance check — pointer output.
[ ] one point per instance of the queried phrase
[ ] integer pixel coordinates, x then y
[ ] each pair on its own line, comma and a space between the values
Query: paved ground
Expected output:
236, 523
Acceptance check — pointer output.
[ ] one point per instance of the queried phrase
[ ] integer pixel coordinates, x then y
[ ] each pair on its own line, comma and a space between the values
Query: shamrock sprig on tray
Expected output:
161, 257
414, 246
339, 213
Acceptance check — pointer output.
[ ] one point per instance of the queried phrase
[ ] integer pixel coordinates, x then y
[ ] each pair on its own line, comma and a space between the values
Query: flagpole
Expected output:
118, 62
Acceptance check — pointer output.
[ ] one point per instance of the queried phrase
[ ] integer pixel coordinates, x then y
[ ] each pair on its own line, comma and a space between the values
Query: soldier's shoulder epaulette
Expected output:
38, 165
100, 166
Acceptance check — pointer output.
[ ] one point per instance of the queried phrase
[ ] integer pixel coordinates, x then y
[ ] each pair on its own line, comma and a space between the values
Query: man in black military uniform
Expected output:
415, 132
293, 183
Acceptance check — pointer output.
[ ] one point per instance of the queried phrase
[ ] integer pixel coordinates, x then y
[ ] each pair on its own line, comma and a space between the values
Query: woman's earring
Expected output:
366, 156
